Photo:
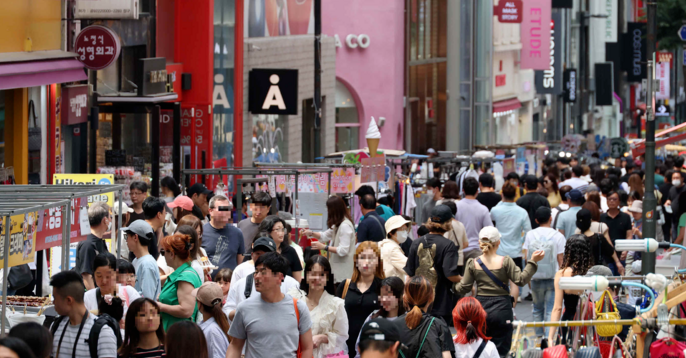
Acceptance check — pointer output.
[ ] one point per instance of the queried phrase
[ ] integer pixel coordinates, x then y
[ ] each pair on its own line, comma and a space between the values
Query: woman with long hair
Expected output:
214, 324
392, 289
361, 291
636, 185
550, 184
170, 190
594, 197
422, 334
185, 339
275, 228
598, 236
469, 319
576, 262
144, 334
494, 294
339, 239
327, 312
176, 302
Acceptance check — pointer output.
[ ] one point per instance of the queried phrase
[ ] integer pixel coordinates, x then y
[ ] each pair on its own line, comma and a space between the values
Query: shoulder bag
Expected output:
345, 288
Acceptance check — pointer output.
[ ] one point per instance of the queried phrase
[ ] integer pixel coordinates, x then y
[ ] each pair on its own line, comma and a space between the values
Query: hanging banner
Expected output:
342, 180
373, 169
535, 37
635, 49
22, 239
569, 80
550, 80
662, 74
51, 221
88, 179
611, 21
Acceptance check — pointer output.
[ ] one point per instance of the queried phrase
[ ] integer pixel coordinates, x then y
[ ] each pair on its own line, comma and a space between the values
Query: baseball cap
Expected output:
140, 228
197, 188
124, 208
209, 294
364, 190
575, 195
543, 214
441, 214
182, 202
489, 234
395, 222
266, 243
380, 330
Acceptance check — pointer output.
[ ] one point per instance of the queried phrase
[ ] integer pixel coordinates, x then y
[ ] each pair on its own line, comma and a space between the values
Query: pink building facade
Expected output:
370, 69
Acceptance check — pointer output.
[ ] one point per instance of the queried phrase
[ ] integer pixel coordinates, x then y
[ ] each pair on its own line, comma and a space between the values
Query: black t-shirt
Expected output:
134, 216
86, 252
618, 226
438, 337
293, 259
530, 202
489, 200
601, 250
358, 306
664, 190
445, 264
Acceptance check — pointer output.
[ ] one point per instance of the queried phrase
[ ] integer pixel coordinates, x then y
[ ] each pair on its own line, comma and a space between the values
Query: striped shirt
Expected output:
148, 353
107, 342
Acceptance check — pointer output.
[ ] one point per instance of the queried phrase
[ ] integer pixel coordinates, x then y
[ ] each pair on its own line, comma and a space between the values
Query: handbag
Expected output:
606, 309
35, 142
667, 347
559, 351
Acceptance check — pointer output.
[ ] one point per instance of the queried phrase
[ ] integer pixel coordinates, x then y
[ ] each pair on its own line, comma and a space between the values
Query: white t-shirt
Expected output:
547, 232
468, 350
91, 302
242, 270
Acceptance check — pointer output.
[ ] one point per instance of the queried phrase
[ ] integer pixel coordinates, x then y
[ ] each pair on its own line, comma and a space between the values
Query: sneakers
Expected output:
529, 297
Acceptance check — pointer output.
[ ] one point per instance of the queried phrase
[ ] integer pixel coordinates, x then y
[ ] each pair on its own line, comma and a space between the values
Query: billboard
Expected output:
270, 18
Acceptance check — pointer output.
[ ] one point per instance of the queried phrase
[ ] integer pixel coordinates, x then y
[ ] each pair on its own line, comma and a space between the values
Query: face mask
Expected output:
676, 182
109, 226
249, 213
401, 237
430, 192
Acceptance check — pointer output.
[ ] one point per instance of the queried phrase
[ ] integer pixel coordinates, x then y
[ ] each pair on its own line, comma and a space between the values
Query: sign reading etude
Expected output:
273, 91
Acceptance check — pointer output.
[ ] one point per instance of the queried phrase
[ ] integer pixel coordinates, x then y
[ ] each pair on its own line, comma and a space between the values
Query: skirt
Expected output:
499, 319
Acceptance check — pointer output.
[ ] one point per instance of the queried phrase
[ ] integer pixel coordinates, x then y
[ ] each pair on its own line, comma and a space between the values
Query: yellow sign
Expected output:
88, 179
22, 239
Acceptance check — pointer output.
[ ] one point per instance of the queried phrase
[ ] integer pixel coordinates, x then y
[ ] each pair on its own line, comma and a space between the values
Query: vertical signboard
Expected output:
535, 35
635, 50
662, 74
549, 81
611, 21
603, 84
569, 80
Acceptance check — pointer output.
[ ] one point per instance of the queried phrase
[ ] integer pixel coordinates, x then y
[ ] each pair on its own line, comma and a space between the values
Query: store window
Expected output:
270, 138
347, 121
223, 116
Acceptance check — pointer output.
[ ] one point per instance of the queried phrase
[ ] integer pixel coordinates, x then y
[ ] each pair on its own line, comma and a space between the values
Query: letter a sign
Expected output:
273, 91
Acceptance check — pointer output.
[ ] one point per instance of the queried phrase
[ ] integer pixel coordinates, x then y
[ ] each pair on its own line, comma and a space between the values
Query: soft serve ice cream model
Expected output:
373, 137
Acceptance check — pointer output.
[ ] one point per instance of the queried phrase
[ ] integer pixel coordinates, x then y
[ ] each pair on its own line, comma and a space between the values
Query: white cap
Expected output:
431, 151
125, 208
489, 234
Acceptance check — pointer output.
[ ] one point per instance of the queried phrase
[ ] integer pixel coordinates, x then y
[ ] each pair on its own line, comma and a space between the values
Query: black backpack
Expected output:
94, 334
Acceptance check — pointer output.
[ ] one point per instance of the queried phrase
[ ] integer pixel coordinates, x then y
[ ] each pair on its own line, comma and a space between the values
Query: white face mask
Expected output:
676, 182
401, 236
109, 226
430, 192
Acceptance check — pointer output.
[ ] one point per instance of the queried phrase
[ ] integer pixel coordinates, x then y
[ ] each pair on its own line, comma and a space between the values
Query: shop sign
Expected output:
635, 48
373, 169
151, 76
106, 9
76, 110
97, 47
343, 180
22, 239
563, 4
549, 81
88, 179
353, 41
500, 80
611, 21
618, 146
569, 80
51, 221
273, 91
665, 56
534, 35
662, 74
509, 11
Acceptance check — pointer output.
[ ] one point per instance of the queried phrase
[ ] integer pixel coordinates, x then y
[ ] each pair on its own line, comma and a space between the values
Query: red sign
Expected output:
97, 47
76, 110
509, 11
50, 223
664, 56
500, 80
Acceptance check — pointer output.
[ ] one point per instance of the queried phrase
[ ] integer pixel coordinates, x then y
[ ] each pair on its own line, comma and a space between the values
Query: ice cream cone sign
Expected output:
373, 137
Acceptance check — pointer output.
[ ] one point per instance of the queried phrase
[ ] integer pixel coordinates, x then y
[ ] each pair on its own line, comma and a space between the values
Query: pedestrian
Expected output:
170, 190
243, 209
338, 240
198, 193
457, 234
263, 244
275, 228
490, 272
383, 206
223, 279
598, 237
223, 243
361, 291
668, 213
619, 227
144, 334
153, 211
176, 302
15, 348
436, 258
424, 335
105, 271
636, 212
433, 187
392, 290
372, 226
126, 212
552, 243
470, 339
564, 204
100, 219
70, 334
182, 206
126, 273
200, 260
487, 195
260, 205
450, 192
392, 255
266, 324
36, 336
531, 201
473, 216
512, 221
379, 338
138, 191
214, 324
515, 180
327, 312
566, 221
576, 182
576, 262
550, 183
673, 198
139, 235
185, 339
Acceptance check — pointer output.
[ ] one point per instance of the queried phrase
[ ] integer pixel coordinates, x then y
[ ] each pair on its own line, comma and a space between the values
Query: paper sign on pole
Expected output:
662, 74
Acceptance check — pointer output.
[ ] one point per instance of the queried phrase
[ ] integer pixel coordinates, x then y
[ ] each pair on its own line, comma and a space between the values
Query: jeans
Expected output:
543, 294
613, 267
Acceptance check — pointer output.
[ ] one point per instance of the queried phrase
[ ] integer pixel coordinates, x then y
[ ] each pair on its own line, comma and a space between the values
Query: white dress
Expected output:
328, 318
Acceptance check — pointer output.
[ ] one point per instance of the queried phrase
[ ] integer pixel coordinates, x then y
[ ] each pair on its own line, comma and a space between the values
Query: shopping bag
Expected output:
608, 348
667, 347
340, 354
606, 309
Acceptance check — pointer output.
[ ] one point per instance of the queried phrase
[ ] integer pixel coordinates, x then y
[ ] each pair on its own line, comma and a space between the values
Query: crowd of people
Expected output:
188, 282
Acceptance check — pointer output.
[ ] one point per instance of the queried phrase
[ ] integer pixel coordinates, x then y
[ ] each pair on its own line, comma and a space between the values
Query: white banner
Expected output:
106, 9
662, 74
611, 21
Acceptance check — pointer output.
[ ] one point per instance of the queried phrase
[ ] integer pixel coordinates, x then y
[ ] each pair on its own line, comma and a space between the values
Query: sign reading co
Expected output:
273, 91
353, 41
97, 47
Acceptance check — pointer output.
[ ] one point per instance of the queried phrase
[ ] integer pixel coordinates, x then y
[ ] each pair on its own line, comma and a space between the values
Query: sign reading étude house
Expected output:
273, 91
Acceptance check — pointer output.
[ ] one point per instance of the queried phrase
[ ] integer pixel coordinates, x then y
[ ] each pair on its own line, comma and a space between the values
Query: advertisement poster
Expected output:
22, 239
342, 180
269, 18
662, 74
508, 166
88, 179
535, 35
373, 169
307, 183
51, 221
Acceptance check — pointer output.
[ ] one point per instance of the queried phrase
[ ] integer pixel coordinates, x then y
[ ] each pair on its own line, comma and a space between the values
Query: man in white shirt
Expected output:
260, 246
564, 204
576, 182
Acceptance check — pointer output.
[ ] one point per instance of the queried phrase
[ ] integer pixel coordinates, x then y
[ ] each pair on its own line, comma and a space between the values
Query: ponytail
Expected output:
470, 332
414, 317
418, 293
485, 246
469, 319
219, 316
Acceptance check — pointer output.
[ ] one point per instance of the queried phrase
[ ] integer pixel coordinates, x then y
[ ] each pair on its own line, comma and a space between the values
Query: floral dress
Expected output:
329, 318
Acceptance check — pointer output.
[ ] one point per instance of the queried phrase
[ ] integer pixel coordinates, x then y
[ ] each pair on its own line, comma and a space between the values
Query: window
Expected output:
347, 121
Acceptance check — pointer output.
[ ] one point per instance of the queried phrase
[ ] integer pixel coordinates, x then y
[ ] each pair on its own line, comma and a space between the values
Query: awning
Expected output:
32, 72
506, 105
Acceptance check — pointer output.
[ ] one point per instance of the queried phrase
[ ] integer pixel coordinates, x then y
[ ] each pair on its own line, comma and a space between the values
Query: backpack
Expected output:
248, 285
546, 267
94, 334
559, 211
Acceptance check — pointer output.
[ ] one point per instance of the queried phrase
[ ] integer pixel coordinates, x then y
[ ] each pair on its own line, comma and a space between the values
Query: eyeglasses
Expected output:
279, 230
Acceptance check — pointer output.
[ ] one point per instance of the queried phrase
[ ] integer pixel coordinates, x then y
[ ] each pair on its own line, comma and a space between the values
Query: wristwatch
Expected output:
326, 248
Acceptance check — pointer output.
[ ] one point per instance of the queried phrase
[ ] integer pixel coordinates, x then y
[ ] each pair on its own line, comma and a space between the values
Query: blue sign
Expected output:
682, 33
684, 59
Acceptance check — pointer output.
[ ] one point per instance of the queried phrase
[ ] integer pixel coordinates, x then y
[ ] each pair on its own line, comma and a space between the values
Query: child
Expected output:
126, 273
223, 278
